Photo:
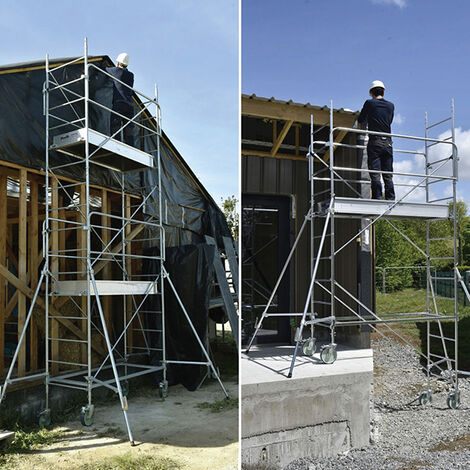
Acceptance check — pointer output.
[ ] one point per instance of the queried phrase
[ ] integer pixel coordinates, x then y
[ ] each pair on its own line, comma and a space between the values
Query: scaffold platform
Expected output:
103, 150
369, 208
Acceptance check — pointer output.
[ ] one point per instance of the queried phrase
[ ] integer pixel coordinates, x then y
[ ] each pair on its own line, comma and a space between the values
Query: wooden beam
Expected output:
26, 290
260, 153
3, 260
82, 264
15, 166
106, 237
33, 267
285, 111
129, 298
297, 139
280, 138
54, 265
22, 263
11, 255
338, 139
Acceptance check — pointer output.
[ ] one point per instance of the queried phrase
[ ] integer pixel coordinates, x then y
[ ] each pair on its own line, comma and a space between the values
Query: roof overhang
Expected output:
256, 106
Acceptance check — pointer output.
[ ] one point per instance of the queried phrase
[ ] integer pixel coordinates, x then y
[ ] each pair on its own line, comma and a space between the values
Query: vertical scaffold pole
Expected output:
428, 261
332, 227
45, 248
456, 249
87, 218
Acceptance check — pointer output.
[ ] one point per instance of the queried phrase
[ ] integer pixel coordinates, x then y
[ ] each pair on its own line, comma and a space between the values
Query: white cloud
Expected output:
398, 3
462, 140
398, 119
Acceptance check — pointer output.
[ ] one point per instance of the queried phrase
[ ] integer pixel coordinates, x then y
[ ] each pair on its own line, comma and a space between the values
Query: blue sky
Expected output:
317, 50
189, 48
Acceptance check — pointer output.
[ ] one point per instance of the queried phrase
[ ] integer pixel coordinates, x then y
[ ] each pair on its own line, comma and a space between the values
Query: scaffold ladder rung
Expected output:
441, 337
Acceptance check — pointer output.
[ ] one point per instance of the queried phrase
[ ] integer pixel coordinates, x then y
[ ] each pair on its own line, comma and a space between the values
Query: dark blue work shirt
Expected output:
377, 113
121, 92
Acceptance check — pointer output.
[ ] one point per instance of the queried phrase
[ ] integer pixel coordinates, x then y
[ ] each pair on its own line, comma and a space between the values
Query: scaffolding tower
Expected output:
338, 192
106, 253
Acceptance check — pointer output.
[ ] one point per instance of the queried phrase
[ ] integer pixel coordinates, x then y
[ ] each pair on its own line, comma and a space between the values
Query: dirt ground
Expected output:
197, 439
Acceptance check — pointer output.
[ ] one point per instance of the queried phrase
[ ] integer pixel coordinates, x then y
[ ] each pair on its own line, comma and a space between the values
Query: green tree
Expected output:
229, 208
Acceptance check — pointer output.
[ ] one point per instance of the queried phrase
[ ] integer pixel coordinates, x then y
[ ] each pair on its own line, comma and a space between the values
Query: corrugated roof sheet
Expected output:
300, 105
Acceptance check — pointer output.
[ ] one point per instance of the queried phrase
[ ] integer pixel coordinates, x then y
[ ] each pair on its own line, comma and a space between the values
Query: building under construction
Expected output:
107, 250
308, 274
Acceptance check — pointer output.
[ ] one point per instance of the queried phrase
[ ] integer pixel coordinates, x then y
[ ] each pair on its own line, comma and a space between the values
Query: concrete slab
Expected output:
322, 410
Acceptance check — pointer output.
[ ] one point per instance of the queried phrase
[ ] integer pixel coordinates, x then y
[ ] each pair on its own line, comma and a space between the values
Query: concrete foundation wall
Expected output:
315, 416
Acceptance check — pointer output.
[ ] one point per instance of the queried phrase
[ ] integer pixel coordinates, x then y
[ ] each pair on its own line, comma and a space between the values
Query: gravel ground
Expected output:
404, 434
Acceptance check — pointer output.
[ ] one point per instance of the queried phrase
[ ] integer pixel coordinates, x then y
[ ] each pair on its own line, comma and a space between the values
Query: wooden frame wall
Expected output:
21, 256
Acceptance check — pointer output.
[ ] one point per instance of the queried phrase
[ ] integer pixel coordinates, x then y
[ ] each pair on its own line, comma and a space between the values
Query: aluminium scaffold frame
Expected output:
321, 217
70, 274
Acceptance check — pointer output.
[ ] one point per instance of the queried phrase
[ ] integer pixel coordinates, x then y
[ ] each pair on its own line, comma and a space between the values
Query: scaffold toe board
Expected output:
353, 207
79, 288
111, 152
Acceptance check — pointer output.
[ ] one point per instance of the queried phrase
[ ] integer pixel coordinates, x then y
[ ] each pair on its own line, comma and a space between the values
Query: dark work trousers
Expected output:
380, 157
126, 109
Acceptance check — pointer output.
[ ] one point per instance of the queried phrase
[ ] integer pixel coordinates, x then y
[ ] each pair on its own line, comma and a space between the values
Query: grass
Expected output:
225, 356
414, 300
131, 462
26, 441
111, 431
219, 405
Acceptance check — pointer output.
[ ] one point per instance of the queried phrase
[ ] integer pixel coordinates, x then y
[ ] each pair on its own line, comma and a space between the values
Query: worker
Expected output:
377, 115
122, 100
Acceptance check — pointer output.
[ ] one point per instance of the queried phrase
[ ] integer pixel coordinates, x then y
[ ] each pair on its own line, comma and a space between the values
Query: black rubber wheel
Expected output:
309, 347
453, 400
328, 354
163, 390
45, 418
425, 398
87, 415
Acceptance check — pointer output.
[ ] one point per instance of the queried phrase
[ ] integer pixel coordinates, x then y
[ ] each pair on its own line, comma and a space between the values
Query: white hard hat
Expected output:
377, 84
123, 59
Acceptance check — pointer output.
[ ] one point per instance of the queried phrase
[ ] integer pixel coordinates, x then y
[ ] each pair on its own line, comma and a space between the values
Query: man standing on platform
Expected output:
377, 114
122, 100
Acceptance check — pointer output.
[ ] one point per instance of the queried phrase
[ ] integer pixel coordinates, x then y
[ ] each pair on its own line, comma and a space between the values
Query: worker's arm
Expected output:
362, 119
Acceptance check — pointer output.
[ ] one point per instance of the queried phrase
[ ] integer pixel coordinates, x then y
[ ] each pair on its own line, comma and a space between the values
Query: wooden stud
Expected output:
297, 139
106, 237
22, 263
33, 267
82, 264
54, 265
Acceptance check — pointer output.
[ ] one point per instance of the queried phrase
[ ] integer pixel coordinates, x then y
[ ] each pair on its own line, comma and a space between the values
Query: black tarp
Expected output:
190, 269
189, 211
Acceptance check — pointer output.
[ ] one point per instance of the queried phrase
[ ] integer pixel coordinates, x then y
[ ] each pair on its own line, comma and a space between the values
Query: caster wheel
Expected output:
125, 387
163, 390
453, 399
309, 347
45, 418
328, 354
87, 415
425, 398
